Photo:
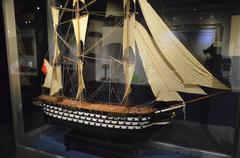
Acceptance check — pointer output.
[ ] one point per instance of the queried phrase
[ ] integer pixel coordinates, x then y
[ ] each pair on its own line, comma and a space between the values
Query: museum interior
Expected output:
120, 78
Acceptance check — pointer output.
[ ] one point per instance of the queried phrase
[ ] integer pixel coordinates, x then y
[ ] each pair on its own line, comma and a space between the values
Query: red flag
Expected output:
44, 67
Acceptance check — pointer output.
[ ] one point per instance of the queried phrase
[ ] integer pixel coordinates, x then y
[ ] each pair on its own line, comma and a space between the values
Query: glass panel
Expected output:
31, 26
209, 30
5, 115
204, 30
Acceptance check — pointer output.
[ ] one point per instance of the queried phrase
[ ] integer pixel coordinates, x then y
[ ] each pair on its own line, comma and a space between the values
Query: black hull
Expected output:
104, 125
105, 134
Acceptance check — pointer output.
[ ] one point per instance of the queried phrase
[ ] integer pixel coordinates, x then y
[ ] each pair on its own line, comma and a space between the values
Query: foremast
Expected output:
53, 71
53, 79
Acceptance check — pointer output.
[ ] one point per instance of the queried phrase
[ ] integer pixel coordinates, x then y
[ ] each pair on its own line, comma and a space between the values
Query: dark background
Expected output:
5, 103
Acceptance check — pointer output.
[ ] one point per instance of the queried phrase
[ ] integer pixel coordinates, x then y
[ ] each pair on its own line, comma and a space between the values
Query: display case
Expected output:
205, 125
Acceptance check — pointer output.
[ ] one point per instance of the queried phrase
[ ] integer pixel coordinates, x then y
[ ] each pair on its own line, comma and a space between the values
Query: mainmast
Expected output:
127, 91
80, 26
128, 43
77, 14
79, 95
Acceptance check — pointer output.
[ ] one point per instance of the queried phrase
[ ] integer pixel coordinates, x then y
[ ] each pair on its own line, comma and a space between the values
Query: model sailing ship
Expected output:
169, 67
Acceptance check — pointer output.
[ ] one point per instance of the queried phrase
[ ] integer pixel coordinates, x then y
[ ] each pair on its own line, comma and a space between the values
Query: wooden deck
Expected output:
111, 108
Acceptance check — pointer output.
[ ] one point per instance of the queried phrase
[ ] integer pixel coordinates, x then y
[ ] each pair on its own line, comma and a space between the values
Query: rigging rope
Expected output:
91, 13
110, 32
65, 5
74, 10
102, 85
67, 44
193, 100
198, 99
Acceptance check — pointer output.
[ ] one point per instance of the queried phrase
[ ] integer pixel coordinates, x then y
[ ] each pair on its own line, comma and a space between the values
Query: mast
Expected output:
128, 43
126, 65
53, 79
80, 28
79, 95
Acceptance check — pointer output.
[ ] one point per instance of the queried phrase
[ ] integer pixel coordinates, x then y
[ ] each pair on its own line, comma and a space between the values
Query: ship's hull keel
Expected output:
105, 124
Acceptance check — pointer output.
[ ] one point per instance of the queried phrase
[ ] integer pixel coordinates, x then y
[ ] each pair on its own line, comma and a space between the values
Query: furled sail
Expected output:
163, 81
128, 71
128, 34
124, 4
80, 28
75, 1
187, 67
56, 84
81, 85
55, 16
48, 77
128, 52
53, 79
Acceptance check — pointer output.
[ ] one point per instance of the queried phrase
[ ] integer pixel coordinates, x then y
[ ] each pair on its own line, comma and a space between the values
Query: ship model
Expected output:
169, 67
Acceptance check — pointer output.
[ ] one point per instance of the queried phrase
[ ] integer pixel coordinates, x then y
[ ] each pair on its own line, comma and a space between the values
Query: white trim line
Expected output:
170, 109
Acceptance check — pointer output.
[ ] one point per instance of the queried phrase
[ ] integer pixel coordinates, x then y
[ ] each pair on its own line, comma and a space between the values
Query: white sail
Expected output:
158, 82
188, 68
53, 79
81, 85
55, 16
56, 51
80, 28
56, 83
75, 1
124, 4
48, 77
128, 48
128, 71
128, 34
162, 79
